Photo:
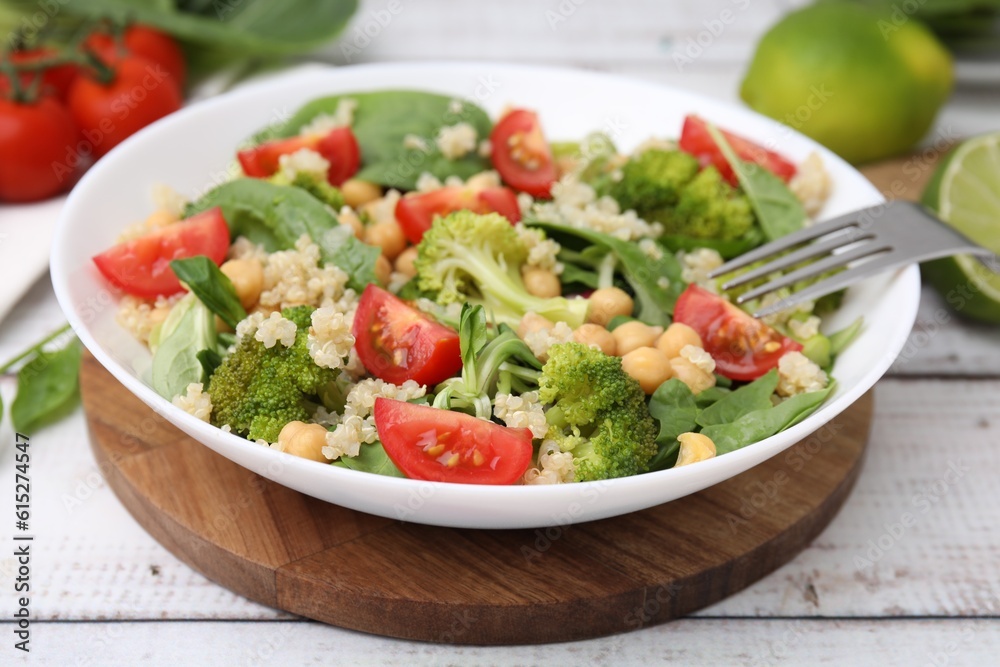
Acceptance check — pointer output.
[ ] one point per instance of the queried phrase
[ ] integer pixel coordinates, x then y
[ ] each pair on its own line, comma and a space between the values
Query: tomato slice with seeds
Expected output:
443, 446
416, 212
521, 154
141, 266
339, 146
744, 348
396, 342
696, 140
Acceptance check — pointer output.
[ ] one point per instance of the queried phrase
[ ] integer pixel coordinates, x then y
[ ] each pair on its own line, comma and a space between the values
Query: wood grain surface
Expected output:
290, 551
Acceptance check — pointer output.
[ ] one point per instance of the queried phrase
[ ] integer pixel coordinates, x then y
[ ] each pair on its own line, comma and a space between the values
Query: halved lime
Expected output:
965, 193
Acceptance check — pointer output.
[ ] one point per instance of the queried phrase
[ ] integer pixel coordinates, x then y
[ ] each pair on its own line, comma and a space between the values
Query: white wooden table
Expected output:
867, 592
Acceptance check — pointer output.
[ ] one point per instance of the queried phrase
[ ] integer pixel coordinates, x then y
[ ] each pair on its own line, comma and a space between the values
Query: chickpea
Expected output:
221, 326
247, 276
383, 269
160, 218
676, 337
695, 378
632, 335
649, 366
484, 179
157, 315
348, 217
607, 302
541, 282
387, 235
694, 447
358, 193
405, 261
532, 322
594, 335
305, 440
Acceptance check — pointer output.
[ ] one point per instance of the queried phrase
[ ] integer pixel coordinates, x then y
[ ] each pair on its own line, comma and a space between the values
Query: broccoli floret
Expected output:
597, 412
257, 390
470, 258
314, 184
708, 208
653, 180
667, 187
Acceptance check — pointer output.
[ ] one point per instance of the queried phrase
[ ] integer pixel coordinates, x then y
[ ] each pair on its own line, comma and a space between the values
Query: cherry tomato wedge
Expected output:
696, 140
744, 348
443, 446
141, 266
416, 212
338, 146
521, 154
396, 342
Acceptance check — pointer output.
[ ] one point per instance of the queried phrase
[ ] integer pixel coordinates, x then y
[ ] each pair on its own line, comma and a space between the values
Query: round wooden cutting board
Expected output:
290, 551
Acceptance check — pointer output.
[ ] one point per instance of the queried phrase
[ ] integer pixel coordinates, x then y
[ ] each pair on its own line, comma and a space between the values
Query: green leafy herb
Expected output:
711, 395
674, 407
372, 458
656, 282
275, 216
219, 32
382, 121
759, 424
210, 360
746, 399
47, 387
211, 286
188, 329
778, 210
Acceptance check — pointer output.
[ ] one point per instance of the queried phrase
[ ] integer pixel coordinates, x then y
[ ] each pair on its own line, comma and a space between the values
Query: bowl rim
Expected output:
771, 446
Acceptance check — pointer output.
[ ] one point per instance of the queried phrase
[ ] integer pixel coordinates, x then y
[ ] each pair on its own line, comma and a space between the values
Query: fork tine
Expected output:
836, 240
786, 242
835, 283
816, 268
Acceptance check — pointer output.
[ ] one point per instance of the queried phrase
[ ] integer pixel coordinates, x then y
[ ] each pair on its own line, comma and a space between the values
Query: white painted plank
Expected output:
692, 642
94, 562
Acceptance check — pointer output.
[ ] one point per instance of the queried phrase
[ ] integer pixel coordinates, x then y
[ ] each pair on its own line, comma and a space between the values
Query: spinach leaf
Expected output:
211, 286
381, 122
47, 388
841, 339
674, 407
275, 216
210, 360
760, 424
711, 395
188, 329
778, 210
243, 28
746, 399
656, 283
372, 458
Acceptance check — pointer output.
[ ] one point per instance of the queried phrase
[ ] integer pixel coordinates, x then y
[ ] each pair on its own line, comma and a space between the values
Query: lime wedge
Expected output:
965, 193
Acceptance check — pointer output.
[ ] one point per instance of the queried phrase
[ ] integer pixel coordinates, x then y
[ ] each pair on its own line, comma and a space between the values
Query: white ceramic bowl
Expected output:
193, 147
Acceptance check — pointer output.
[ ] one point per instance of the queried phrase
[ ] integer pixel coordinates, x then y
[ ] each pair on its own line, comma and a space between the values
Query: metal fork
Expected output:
866, 242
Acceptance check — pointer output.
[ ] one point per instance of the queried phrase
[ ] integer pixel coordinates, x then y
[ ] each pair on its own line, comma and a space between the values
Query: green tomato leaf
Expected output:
383, 119
372, 458
778, 210
746, 399
674, 407
212, 287
275, 216
47, 388
759, 424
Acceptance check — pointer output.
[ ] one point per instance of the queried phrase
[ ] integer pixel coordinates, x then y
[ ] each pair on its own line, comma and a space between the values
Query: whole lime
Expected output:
865, 83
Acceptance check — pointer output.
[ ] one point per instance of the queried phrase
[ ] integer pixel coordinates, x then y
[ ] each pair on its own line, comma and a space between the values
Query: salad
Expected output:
397, 284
